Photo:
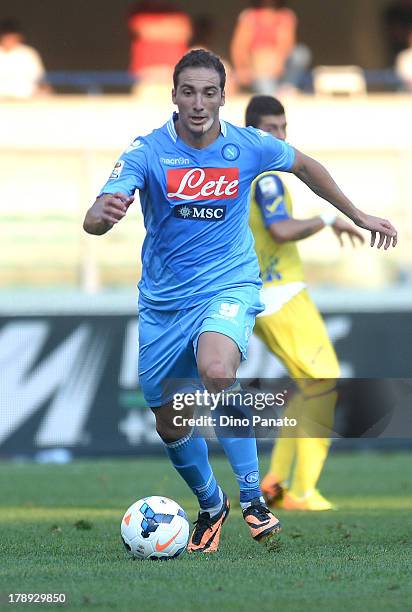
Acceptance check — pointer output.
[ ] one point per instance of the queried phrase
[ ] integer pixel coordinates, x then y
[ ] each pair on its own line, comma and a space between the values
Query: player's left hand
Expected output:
341, 227
378, 227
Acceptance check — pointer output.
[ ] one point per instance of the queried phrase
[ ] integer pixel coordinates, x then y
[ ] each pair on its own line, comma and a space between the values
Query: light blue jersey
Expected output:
195, 204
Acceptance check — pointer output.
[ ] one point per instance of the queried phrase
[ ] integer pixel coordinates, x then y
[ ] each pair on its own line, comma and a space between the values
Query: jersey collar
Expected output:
172, 130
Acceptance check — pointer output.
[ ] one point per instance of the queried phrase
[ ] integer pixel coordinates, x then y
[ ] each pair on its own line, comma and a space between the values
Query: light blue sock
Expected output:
189, 456
241, 451
242, 455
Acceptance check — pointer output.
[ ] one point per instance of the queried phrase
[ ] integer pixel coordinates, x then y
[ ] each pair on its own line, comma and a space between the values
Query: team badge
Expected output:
230, 152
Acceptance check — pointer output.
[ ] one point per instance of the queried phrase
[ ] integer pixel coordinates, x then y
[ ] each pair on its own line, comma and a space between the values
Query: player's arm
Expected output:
318, 179
298, 229
116, 195
295, 229
270, 196
107, 210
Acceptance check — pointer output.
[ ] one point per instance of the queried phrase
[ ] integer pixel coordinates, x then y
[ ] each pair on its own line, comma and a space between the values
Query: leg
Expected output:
265, 86
165, 352
297, 335
189, 456
218, 359
276, 332
316, 413
296, 65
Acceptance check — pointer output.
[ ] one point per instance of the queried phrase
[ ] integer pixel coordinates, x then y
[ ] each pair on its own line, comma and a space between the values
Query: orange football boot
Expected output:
272, 490
313, 501
261, 522
206, 534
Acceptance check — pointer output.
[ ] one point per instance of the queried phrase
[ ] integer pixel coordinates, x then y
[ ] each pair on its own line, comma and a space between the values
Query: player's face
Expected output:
274, 124
198, 96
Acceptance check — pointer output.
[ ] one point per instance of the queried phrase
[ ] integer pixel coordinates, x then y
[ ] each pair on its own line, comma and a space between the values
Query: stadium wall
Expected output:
57, 152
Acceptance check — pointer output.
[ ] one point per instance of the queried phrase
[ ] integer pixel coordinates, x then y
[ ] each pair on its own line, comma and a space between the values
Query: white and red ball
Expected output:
155, 528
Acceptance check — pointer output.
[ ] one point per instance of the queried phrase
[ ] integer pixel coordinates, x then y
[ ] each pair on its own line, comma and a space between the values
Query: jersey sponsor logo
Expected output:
230, 151
199, 212
202, 183
117, 170
175, 161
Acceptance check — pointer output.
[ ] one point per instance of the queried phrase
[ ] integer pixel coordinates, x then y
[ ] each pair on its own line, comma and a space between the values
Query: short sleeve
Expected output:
276, 154
130, 170
270, 197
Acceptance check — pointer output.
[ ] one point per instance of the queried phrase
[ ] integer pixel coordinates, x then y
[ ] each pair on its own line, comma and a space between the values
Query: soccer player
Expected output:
291, 325
199, 291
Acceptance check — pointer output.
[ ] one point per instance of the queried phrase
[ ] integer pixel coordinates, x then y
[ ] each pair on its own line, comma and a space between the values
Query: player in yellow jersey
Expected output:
292, 327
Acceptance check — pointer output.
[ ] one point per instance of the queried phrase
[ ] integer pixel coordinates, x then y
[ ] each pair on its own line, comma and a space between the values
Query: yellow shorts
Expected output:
298, 336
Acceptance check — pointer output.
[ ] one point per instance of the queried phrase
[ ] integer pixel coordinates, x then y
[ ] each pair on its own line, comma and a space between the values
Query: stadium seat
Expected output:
339, 80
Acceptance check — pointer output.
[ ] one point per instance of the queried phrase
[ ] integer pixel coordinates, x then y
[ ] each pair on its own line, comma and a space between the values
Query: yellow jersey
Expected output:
270, 202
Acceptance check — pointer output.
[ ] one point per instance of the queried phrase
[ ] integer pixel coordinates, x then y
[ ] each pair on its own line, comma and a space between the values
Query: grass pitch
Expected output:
59, 532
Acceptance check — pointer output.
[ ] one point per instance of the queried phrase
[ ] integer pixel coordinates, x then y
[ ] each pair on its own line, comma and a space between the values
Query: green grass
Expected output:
353, 559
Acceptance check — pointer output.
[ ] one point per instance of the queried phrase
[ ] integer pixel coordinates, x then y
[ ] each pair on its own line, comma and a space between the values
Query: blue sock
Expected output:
189, 456
242, 455
241, 451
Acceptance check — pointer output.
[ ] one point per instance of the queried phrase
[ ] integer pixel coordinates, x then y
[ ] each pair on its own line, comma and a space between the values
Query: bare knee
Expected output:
170, 428
218, 359
217, 375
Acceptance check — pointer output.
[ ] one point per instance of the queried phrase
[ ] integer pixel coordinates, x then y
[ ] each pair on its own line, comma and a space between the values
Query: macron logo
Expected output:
202, 183
175, 161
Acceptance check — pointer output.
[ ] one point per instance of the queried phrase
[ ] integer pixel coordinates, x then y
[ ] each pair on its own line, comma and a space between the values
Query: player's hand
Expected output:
112, 208
341, 227
380, 229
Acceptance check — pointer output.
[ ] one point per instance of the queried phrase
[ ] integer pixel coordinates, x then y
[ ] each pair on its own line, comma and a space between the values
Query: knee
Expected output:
168, 428
301, 56
217, 375
318, 387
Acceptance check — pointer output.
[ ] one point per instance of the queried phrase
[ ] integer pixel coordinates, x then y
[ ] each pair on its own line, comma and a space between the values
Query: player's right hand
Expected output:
112, 208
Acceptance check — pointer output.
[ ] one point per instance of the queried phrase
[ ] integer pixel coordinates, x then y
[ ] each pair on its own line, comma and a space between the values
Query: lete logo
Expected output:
202, 183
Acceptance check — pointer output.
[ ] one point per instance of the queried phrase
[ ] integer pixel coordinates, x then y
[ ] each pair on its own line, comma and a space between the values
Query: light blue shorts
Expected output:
168, 339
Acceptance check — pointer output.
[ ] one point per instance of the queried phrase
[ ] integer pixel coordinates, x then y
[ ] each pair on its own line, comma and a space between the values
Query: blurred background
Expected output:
78, 82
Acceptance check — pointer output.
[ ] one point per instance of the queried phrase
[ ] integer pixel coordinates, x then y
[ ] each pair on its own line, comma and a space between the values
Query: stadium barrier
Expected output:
70, 381
95, 82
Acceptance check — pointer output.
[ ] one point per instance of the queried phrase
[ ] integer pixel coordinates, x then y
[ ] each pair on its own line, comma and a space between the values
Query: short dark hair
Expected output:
262, 105
199, 58
10, 26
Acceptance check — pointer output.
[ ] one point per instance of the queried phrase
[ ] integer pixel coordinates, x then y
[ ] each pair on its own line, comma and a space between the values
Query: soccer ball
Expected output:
155, 528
